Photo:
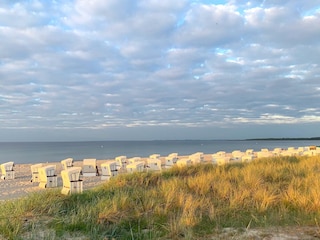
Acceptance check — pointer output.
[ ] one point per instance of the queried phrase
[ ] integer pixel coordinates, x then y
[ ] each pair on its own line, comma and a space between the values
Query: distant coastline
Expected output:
282, 139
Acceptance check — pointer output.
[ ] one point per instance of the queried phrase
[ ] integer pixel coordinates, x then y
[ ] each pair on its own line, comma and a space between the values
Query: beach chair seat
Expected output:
7, 170
67, 163
47, 177
71, 181
35, 172
89, 167
135, 167
153, 164
108, 170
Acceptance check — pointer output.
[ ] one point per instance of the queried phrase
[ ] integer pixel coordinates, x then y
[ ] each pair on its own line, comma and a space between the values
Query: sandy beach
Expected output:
21, 186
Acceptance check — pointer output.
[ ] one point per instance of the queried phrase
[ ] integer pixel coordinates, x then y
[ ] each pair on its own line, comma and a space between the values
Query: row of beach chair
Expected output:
46, 175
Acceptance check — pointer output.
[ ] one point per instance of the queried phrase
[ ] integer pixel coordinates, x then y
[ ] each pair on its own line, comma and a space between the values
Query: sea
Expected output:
42, 152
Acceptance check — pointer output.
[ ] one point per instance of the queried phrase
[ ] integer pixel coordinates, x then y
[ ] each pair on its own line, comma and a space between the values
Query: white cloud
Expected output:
210, 26
98, 64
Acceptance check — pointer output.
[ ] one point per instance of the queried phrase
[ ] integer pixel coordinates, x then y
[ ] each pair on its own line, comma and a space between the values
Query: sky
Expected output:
157, 70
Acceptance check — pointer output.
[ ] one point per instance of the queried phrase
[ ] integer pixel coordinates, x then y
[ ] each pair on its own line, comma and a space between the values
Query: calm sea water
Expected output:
36, 152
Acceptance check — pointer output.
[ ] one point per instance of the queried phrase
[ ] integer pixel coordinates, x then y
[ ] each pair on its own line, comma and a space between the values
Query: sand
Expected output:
21, 186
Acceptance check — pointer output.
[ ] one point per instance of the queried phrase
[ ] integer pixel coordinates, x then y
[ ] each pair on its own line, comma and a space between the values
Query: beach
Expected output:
21, 185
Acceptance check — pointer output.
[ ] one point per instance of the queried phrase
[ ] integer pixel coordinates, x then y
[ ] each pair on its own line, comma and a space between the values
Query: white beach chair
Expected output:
7, 170
173, 155
248, 155
35, 172
71, 181
197, 157
221, 153
301, 150
249, 152
48, 177
310, 153
171, 159
264, 153
154, 156
121, 162
237, 155
108, 170
220, 158
277, 151
89, 167
135, 167
153, 164
67, 163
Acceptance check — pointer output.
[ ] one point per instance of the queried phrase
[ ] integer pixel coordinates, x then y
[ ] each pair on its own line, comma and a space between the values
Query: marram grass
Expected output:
180, 203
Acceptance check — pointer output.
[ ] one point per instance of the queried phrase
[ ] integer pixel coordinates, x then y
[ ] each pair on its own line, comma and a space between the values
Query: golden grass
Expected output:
178, 203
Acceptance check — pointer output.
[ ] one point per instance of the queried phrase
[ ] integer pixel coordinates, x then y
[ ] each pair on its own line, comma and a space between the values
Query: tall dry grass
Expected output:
178, 203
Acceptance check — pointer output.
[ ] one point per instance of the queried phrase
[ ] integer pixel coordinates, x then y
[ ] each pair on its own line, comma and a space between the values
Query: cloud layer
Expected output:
121, 63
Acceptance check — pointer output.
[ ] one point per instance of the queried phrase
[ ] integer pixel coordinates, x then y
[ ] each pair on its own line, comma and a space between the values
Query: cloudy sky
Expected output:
150, 69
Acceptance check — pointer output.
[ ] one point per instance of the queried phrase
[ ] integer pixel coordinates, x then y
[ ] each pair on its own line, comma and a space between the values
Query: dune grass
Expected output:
180, 203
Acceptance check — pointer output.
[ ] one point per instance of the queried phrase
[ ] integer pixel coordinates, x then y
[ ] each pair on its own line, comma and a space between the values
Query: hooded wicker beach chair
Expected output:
121, 162
153, 164
89, 167
67, 163
135, 167
48, 177
71, 181
7, 170
108, 170
154, 156
35, 172
171, 159
197, 157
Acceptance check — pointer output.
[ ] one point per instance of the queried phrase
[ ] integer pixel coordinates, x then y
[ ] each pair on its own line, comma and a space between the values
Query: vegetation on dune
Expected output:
188, 202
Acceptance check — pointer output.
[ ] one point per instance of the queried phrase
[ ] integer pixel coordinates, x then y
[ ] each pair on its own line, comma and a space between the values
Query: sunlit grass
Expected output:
177, 203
